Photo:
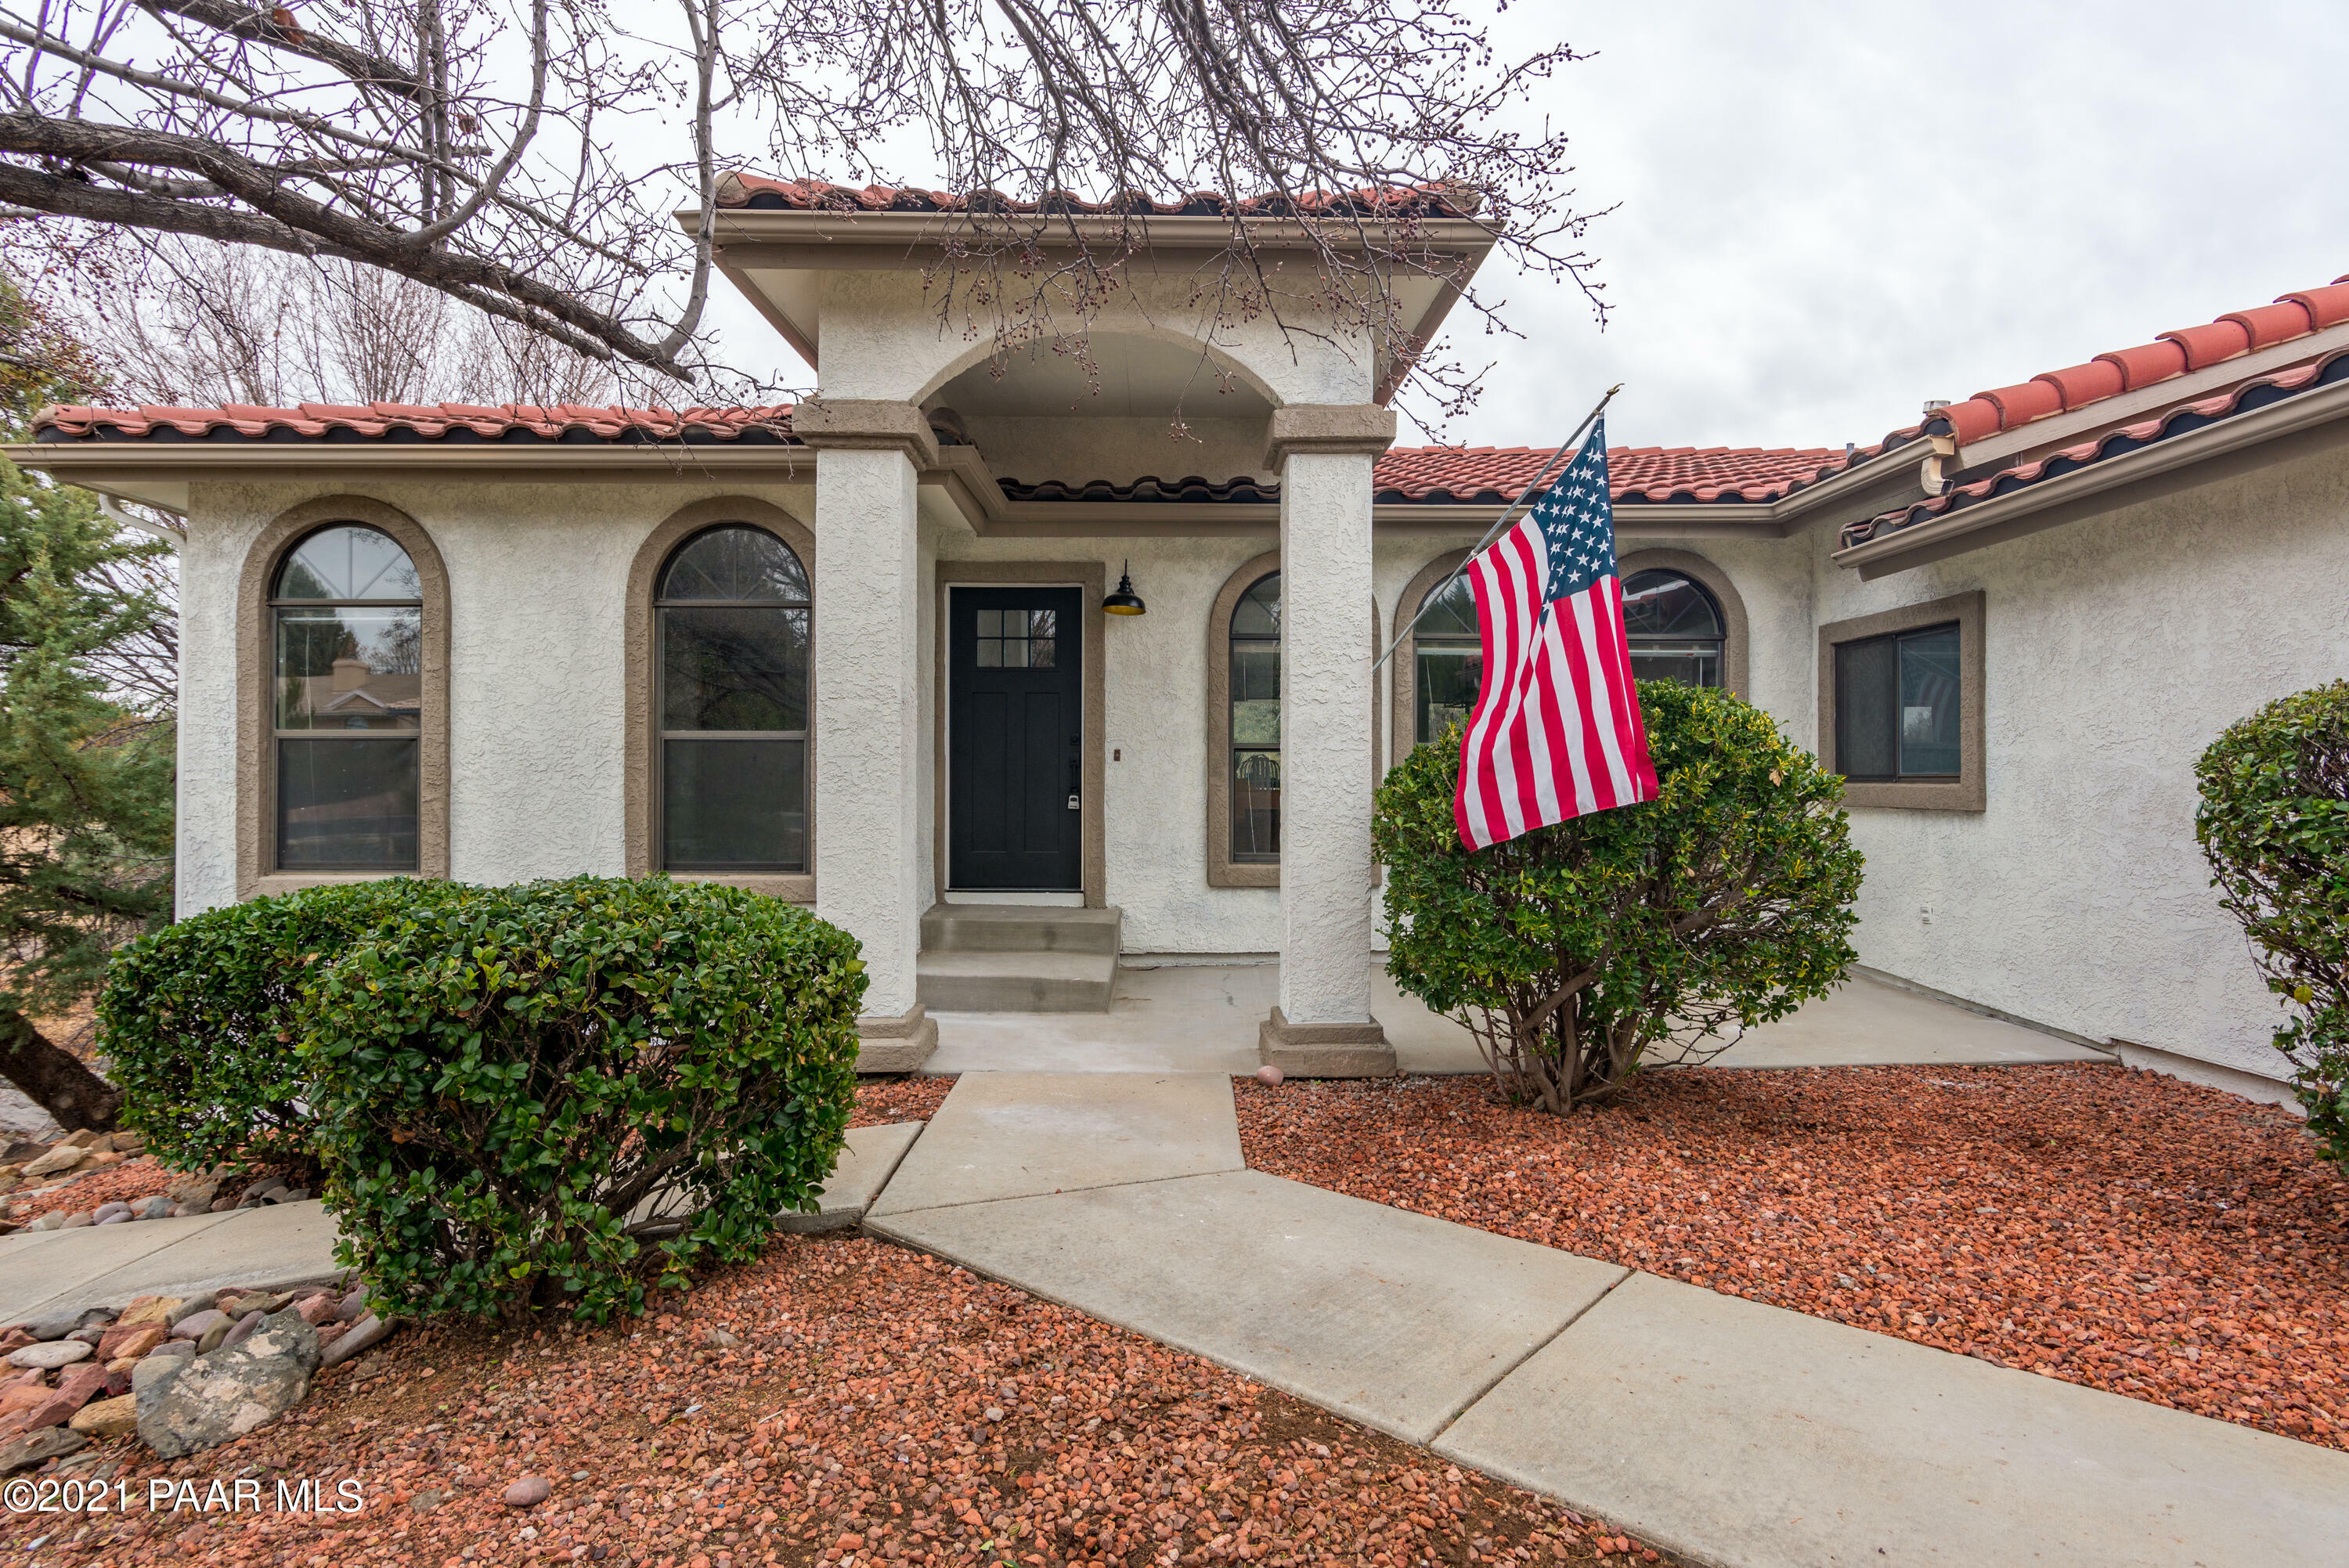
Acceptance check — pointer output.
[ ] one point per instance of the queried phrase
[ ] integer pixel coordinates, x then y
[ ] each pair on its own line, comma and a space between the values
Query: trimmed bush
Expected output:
198, 1021
564, 1093
1575, 952
2274, 825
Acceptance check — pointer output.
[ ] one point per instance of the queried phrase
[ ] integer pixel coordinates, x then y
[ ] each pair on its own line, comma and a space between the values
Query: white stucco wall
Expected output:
2117, 649
538, 581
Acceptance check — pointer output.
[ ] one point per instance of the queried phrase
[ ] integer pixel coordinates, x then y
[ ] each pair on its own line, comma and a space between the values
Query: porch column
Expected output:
867, 721
1322, 1026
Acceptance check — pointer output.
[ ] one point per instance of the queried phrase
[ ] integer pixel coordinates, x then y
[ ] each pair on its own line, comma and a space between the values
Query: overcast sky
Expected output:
1828, 211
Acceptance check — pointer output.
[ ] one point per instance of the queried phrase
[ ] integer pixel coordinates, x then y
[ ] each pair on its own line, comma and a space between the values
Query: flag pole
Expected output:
1428, 602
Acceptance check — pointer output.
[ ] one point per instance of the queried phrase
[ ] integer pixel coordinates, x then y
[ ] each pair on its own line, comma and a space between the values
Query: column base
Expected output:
897, 1044
1325, 1050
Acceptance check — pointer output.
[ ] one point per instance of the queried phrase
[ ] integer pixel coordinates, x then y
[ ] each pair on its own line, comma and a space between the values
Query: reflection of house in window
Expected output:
357, 697
1450, 661
1676, 630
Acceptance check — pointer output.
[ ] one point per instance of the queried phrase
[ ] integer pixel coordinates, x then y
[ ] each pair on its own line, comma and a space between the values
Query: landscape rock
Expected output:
18, 1396
107, 1418
261, 1188
94, 1315
75, 1222
290, 1195
264, 1302
14, 1339
90, 1335
197, 1191
156, 1369
354, 1306
51, 1220
189, 1211
78, 1388
53, 1324
84, 1139
51, 1355
231, 1391
146, 1309
152, 1208
124, 1218
63, 1157
244, 1328
317, 1309
721, 1339
528, 1492
216, 1336
133, 1340
39, 1447
221, 1205
355, 1338
187, 1309
196, 1325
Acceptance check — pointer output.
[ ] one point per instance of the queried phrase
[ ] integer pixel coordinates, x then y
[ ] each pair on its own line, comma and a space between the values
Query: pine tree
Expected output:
86, 764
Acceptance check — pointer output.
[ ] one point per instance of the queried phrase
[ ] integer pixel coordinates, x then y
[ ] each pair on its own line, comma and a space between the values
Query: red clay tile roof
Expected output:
402, 422
737, 189
2126, 369
2252, 396
1489, 475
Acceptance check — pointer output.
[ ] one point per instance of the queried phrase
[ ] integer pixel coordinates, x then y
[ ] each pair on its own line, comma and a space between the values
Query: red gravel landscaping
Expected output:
880, 1101
839, 1402
2126, 1231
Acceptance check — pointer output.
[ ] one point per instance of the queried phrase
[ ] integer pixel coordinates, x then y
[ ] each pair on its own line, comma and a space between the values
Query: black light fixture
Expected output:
1124, 601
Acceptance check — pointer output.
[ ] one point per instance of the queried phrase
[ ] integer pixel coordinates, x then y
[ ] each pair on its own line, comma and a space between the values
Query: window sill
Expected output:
1248, 873
798, 888
1916, 795
270, 883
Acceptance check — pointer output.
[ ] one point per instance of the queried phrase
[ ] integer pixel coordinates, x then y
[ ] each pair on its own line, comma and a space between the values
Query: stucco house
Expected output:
856, 653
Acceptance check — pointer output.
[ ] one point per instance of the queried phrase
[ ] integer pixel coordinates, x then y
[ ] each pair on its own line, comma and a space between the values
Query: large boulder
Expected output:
228, 1392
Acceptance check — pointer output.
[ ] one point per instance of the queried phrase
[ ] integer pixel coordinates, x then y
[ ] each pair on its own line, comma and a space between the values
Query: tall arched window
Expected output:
1677, 629
1449, 665
1256, 723
347, 613
732, 607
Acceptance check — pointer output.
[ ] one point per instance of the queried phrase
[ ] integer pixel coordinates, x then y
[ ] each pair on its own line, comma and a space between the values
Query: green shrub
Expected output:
2274, 825
198, 1021
562, 1093
1575, 951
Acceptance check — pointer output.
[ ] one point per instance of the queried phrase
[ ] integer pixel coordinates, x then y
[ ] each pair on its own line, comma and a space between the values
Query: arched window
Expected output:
347, 611
732, 698
1677, 632
1256, 723
1449, 663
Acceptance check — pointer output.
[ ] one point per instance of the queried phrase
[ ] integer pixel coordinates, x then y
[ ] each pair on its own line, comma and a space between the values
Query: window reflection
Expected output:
1448, 662
1676, 629
1256, 723
734, 627
347, 702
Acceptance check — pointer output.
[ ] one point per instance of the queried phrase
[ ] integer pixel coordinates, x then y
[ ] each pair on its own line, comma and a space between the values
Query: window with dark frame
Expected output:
1897, 706
1676, 629
732, 612
1256, 723
1447, 662
346, 634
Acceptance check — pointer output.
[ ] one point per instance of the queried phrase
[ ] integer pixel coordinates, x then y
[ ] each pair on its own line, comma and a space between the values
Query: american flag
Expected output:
1556, 732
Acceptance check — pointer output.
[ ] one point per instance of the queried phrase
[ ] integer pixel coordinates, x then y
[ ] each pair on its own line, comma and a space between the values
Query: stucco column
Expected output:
867, 670
1322, 1026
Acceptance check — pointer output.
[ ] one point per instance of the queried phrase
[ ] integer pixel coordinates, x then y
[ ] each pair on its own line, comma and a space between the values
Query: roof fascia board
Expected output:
2057, 431
1869, 487
2036, 506
905, 235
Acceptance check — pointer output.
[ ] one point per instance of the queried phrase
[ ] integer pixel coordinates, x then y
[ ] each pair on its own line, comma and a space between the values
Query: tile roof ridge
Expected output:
2300, 313
2181, 418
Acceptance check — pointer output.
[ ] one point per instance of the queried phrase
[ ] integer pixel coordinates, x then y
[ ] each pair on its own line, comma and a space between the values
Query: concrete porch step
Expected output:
1025, 982
1019, 928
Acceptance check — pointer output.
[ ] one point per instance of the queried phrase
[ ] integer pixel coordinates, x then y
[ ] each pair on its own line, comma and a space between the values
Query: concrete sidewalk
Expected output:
1203, 1017
294, 1244
1735, 1434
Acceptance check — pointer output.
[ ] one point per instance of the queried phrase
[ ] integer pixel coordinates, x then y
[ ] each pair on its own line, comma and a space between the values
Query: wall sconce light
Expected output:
1124, 601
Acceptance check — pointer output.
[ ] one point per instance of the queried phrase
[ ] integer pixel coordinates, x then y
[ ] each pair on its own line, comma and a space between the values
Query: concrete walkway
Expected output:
294, 1244
1734, 1433
1203, 1017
